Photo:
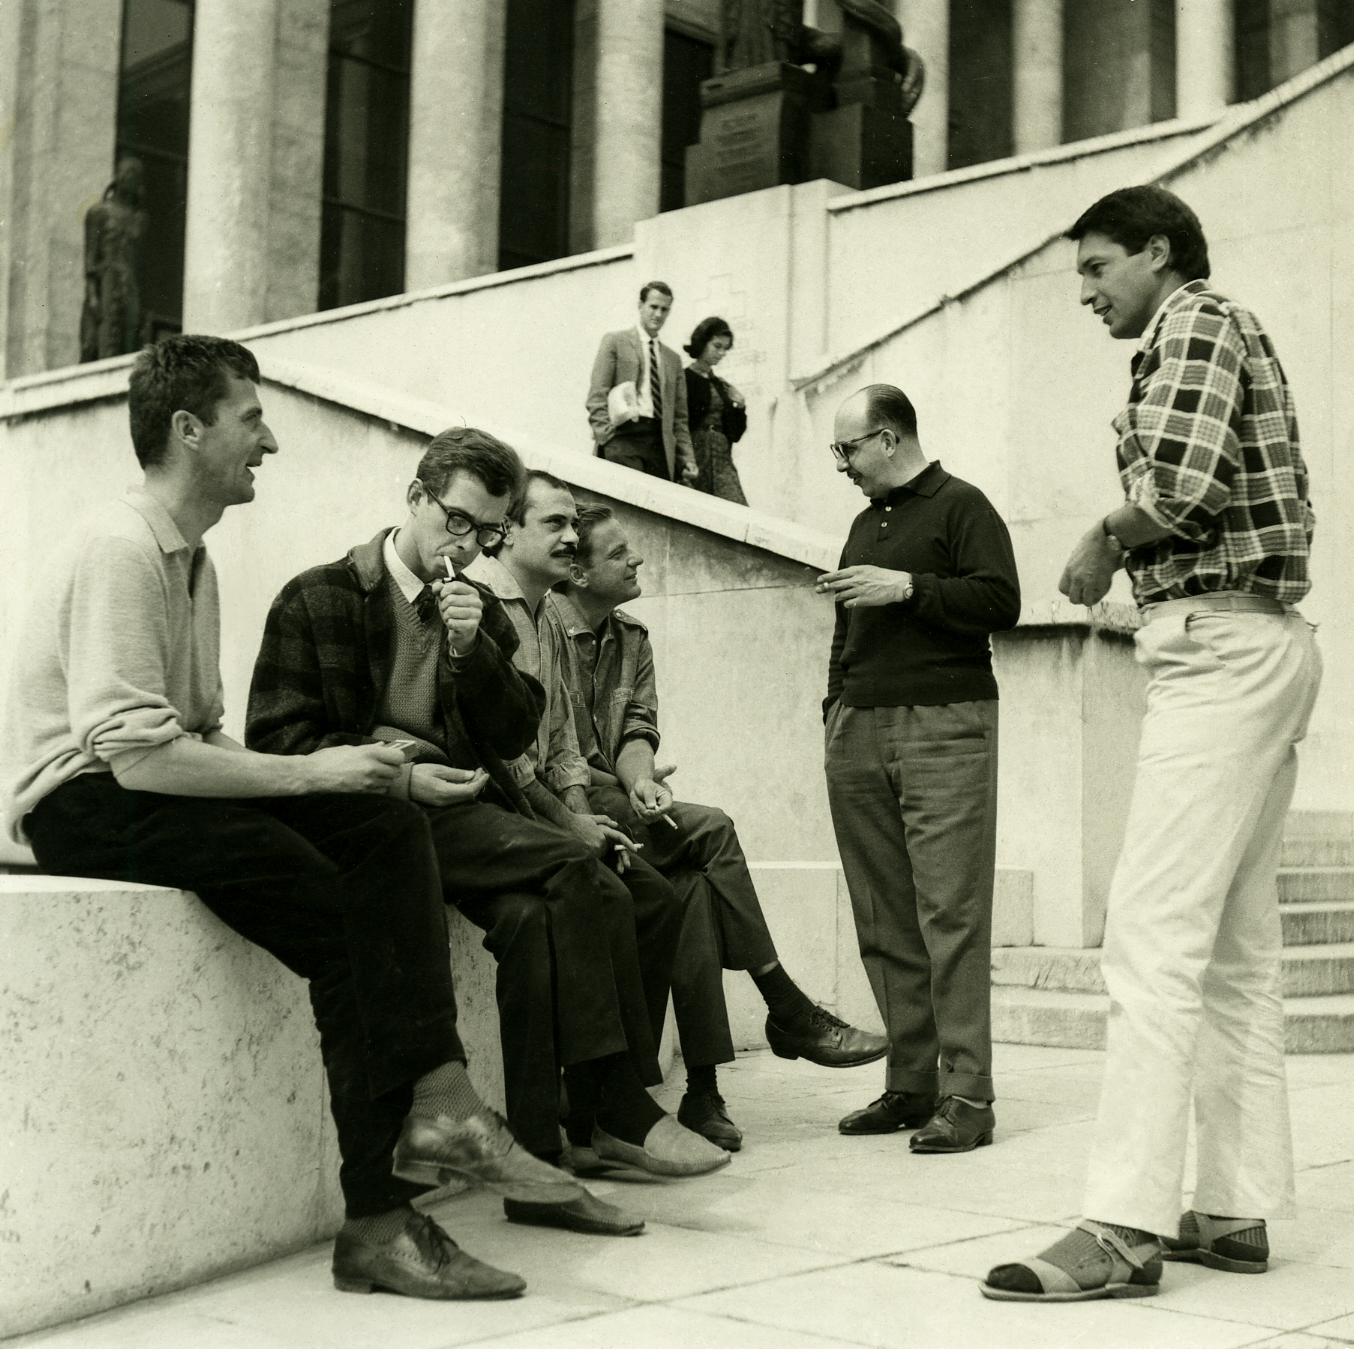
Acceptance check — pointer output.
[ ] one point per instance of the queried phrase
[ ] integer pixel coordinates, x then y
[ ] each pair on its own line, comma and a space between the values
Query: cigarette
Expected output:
451, 571
671, 821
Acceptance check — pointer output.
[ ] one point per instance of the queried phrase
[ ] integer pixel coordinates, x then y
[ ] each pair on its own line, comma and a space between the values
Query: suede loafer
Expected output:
668, 1150
703, 1113
955, 1127
422, 1261
589, 1215
825, 1040
480, 1149
894, 1110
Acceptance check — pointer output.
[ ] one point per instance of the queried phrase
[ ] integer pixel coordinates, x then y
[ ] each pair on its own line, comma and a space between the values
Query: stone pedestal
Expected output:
864, 142
755, 132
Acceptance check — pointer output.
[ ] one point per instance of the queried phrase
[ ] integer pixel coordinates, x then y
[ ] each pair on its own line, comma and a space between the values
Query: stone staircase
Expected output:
1046, 995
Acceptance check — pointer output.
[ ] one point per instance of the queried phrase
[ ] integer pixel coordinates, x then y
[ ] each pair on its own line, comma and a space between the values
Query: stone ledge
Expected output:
162, 1101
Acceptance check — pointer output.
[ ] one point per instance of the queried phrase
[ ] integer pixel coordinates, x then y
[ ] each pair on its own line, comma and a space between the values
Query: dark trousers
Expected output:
343, 890
639, 445
584, 958
913, 792
724, 928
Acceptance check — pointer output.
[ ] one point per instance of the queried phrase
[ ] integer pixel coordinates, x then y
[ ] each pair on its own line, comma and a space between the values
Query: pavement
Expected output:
810, 1240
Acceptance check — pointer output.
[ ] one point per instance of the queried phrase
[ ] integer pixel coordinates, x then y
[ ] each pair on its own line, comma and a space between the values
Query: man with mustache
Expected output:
927, 575
535, 554
384, 645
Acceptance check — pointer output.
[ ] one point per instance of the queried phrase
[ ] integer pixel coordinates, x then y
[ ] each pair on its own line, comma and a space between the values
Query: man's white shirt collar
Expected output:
410, 586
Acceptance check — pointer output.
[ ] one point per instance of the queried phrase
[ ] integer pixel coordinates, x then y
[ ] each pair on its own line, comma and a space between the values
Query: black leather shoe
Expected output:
481, 1148
589, 1214
824, 1039
955, 1127
703, 1113
892, 1111
422, 1261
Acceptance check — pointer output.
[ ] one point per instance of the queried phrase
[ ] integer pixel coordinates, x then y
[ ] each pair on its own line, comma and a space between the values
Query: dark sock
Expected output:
447, 1091
786, 1002
702, 1077
580, 1082
626, 1111
1134, 1236
378, 1228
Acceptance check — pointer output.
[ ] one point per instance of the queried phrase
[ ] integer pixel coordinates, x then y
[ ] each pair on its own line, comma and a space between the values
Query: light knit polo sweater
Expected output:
120, 654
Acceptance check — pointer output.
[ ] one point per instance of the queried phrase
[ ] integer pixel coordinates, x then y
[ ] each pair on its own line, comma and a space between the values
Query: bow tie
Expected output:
425, 604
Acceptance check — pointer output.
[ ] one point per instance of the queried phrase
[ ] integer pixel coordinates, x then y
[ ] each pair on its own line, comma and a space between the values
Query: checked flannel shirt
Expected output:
1208, 447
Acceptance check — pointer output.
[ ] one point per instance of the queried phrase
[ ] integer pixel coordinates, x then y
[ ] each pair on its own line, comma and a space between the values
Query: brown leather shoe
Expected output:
703, 1113
482, 1149
825, 1040
894, 1110
955, 1127
589, 1214
422, 1261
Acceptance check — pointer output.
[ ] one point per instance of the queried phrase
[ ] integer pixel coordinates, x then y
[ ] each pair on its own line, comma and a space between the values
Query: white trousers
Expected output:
1193, 950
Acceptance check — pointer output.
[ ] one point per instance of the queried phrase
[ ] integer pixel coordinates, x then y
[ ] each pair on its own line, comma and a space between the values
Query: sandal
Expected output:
1238, 1245
1091, 1261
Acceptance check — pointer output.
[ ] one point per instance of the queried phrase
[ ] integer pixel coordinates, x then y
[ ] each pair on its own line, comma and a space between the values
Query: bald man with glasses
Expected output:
926, 576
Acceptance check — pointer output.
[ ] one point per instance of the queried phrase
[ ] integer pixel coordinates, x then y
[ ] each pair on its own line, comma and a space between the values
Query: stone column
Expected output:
1294, 37
455, 141
230, 150
627, 169
1203, 57
1038, 75
926, 29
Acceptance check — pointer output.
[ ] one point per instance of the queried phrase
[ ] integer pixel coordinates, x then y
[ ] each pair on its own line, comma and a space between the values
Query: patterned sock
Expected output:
626, 1110
702, 1078
787, 1003
1133, 1236
447, 1091
378, 1228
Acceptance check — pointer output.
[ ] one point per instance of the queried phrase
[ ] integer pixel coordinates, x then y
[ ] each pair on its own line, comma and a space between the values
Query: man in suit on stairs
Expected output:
637, 396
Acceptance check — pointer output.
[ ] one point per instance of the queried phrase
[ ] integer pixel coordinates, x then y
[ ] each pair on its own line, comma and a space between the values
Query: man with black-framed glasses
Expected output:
395, 643
926, 576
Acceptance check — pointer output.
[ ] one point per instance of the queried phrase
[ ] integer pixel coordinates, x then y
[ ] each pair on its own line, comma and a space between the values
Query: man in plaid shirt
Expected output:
1214, 534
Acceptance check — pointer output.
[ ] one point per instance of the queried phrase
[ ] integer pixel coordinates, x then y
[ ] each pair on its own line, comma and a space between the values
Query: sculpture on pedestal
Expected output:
110, 322
792, 103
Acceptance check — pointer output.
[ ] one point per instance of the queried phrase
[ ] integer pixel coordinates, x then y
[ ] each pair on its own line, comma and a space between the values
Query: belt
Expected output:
1228, 600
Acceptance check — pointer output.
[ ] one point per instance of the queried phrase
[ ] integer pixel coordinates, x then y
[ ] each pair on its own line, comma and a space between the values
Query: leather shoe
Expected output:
480, 1148
703, 1113
589, 1214
955, 1127
824, 1039
422, 1261
892, 1111
668, 1150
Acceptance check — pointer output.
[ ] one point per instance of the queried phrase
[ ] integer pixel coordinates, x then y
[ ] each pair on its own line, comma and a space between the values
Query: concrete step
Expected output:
1309, 884
1306, 850
1041, 1016
1308, 971
1312, 923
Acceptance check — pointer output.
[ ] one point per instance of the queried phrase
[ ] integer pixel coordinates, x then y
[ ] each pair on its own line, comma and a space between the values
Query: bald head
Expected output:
876, 436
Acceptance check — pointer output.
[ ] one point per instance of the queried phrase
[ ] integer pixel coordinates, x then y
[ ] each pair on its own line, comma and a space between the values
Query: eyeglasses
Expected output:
459, 525
842, 450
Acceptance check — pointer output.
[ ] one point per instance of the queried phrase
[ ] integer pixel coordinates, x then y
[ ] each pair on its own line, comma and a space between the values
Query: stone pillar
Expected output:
1203, 57
230, 153
627, 169
1038, 75
926, 29
455, 141
1294, 37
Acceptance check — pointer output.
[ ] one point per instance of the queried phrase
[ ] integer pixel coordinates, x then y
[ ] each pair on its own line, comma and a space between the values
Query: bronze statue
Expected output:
110, 323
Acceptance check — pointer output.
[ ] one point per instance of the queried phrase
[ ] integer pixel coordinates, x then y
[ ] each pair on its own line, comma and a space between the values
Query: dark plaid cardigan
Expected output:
325, 662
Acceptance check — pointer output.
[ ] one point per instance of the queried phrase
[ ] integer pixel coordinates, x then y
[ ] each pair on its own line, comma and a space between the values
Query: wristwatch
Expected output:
907, 591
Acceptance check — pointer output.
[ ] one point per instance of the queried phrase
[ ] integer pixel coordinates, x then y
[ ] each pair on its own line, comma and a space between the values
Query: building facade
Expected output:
301, 155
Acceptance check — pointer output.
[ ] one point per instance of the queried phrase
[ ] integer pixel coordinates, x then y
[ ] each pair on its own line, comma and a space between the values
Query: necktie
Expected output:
425, 602
655, 386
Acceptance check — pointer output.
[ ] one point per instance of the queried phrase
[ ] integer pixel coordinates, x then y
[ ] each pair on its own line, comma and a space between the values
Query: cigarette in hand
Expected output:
451, 571
671, 821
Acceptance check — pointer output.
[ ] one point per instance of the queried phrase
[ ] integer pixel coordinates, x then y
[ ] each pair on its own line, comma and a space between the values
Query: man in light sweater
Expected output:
116, 766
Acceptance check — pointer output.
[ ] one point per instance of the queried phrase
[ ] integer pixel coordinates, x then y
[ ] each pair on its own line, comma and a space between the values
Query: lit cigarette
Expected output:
451, 571
670, 820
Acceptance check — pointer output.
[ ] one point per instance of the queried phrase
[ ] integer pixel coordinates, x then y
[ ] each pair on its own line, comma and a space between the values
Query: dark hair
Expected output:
1131, 216
891, 407
704, 333
661, 287
518, 510
463, 449
590, 515
183, 373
